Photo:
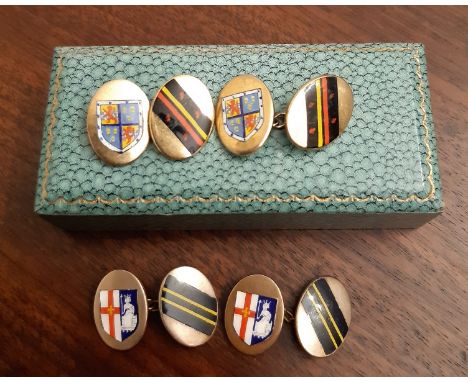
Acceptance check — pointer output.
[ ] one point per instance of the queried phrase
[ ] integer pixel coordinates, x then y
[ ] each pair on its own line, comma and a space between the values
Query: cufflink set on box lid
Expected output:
253, 318
181, 116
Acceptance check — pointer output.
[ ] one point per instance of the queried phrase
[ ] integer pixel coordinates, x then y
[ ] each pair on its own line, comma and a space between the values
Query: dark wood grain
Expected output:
408, 287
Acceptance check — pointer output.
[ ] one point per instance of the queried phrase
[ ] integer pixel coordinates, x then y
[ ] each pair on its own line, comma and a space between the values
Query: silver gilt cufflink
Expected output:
323, 316
255, 312
318, 113
181, 117
244, 114
187, 305
117, 122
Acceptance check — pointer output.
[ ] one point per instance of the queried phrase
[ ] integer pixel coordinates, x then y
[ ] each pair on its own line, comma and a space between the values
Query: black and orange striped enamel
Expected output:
181, 114
322, 112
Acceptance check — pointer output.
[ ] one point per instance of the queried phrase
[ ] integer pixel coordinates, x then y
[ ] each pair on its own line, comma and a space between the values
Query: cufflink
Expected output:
244, 114
117, 122
254, 314
319, 112
181, 117
120, 310
188, 306
323, 316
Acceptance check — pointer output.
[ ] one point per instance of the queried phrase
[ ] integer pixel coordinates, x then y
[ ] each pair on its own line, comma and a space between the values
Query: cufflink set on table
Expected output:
181, 116
253, 316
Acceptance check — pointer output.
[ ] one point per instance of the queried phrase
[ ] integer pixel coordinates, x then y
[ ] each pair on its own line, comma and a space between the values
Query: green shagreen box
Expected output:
381, 172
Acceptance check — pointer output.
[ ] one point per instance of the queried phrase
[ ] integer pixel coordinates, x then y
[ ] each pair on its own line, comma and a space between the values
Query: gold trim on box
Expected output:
255, 198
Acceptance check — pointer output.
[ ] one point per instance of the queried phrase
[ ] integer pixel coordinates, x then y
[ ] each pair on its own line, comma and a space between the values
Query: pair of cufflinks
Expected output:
181, 116
253, 316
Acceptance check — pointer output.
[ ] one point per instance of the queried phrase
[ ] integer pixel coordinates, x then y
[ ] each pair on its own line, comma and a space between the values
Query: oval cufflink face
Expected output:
254, 314
188, 306
181, 117
319, 112
120, 310
323, 317
117, 122
244, 114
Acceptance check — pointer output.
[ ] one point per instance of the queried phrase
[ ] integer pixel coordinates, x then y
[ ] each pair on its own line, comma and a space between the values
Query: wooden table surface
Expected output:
408, 287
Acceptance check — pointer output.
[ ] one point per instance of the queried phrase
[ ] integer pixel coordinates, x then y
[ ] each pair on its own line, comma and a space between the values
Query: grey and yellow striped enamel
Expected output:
323, 317
188, 306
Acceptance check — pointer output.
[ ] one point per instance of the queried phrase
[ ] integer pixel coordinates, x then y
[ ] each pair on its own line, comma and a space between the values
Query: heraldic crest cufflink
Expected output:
187, 305
253, 319
117, 122
120, 310
181, 117
254, 314
244, 114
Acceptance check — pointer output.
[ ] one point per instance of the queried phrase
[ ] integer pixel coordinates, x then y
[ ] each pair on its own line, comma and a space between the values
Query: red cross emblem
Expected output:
246, 313
110, 311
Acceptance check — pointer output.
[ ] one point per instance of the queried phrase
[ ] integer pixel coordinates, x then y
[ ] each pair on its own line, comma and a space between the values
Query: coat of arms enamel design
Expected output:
243, 114
119, 124
254, 317
119, 312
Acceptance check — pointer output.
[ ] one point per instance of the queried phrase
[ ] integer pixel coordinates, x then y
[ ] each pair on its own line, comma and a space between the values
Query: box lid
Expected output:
386, 160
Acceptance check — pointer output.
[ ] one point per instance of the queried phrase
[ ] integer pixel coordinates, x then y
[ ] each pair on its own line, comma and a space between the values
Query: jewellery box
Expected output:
381, 172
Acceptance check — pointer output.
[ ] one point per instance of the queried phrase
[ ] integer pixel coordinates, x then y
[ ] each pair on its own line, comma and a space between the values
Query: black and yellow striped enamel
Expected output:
325, 315
189, 305
182, 116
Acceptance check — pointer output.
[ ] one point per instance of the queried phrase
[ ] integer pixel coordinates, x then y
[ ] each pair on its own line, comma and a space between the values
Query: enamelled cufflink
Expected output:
180, 119
317, 114
186, 302
254, 312
117, 122
244, 114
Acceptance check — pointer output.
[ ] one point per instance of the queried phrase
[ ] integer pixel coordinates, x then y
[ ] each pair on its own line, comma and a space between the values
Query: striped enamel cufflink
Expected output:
120, 120
323, 316
181, 117
187, 305
318, 113
255, 312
